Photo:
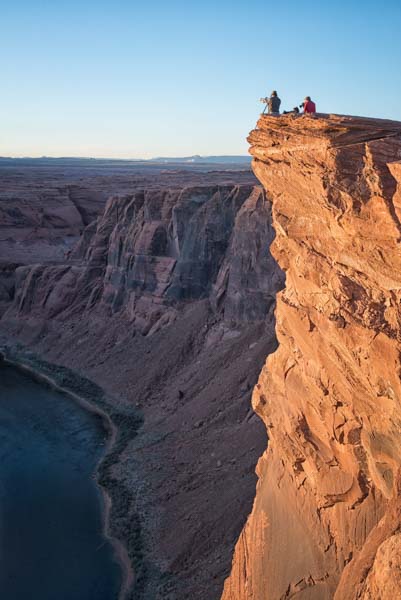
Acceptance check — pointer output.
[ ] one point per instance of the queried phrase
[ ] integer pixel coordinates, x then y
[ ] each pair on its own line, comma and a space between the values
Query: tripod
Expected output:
266, 101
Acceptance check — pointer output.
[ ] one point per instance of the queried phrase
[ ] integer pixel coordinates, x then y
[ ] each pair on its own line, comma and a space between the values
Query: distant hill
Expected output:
204, 159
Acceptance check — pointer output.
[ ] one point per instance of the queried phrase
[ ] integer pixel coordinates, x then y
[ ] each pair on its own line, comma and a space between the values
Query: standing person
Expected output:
274, 104
309, 107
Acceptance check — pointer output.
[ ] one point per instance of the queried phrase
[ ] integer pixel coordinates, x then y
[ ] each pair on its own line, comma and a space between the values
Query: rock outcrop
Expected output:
326, 519
167, 302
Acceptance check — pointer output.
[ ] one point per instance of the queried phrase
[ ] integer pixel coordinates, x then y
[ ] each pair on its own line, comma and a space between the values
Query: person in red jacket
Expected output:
309, 106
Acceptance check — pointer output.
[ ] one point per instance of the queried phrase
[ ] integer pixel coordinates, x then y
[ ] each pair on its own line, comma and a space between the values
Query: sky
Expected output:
157, 78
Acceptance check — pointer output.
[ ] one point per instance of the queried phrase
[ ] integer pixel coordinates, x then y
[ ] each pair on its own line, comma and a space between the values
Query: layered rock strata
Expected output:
167, 302
326, 518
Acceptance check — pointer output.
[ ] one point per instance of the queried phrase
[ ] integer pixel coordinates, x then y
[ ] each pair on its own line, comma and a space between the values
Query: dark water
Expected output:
51, 544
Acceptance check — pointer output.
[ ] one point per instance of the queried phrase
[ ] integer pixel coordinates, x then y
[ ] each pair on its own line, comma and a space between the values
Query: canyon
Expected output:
184, 297
160, 310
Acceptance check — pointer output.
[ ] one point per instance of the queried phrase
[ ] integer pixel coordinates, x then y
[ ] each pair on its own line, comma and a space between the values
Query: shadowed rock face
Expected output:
151, 251
167, 302
326, 517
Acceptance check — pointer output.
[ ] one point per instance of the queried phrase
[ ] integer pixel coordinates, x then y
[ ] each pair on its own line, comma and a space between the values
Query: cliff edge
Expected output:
326, 521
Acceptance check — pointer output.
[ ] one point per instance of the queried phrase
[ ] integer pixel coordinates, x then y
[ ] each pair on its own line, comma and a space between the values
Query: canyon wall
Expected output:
167, 302
326, 521
151, 252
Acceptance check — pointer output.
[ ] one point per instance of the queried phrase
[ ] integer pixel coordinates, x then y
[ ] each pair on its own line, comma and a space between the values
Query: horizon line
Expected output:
153, 158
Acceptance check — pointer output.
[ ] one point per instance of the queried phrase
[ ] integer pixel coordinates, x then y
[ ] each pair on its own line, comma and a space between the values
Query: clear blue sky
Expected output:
141, 79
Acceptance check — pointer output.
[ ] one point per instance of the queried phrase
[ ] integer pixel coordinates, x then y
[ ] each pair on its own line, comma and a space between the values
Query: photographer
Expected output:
309, 107
273, 104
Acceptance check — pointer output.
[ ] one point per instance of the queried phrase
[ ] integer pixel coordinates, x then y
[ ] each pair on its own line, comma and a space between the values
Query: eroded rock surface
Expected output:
326, 517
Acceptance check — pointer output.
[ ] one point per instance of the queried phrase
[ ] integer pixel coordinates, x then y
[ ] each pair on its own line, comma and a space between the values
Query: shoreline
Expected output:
119, 549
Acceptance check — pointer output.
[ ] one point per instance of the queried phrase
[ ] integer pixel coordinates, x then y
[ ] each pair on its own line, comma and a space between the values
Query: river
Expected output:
51, 510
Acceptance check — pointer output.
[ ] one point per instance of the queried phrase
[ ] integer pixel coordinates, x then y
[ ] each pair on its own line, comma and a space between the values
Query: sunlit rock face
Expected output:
326, 517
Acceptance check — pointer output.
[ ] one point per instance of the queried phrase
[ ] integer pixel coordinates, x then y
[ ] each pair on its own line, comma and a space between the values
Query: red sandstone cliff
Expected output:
326, 521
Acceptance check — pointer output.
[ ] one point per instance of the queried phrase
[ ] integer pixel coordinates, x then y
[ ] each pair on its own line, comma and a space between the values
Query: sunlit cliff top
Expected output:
338, 129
